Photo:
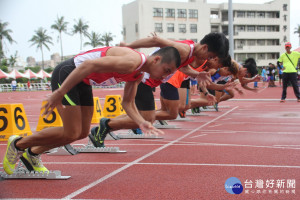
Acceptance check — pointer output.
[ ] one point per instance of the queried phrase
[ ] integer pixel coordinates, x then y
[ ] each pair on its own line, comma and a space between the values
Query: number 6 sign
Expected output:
13, 121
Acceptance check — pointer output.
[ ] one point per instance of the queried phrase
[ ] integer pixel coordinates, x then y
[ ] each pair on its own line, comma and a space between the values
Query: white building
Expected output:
260, 30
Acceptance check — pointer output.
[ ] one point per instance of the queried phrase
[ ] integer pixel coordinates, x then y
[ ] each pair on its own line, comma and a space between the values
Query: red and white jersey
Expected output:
154, 83
106, 79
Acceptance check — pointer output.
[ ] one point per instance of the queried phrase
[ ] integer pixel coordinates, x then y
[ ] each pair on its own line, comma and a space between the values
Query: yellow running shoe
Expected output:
12, 155
33, 163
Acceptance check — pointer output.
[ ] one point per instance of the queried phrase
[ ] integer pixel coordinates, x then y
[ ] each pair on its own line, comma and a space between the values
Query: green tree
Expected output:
95, 40
13, 59
297, 31
80, 27
4, 34
107, 38
41, 39
61, 26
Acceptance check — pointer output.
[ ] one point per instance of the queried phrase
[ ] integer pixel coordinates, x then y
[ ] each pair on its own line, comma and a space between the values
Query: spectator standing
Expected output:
279, 70
264, 76
289, 60
14, 84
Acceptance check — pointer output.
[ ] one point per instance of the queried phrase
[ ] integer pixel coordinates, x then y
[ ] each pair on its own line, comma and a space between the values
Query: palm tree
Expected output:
80, 27
297, 31
95, 40
13, 59
41, 39
107, 38
4, 34
61, 26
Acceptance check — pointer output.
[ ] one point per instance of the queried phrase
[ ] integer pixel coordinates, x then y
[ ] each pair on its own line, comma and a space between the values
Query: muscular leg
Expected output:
201, 101
125, 122
226, 96
169, 109
55, 137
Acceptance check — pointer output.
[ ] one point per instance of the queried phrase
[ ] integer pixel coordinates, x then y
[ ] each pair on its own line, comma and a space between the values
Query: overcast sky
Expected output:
26, 16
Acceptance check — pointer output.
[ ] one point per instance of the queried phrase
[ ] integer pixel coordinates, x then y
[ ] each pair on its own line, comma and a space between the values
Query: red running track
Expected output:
255, 139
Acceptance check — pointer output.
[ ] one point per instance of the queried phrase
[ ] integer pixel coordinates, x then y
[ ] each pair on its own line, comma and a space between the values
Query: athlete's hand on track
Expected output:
53, 101
203, 79
230, 85
148, 128
211, 99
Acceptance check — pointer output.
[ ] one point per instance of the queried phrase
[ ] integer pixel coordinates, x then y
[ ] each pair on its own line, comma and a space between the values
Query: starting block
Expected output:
131, 135
162, 124
82, 148
22, 173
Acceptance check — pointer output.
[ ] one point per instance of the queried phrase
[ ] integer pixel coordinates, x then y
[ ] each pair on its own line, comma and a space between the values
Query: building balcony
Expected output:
257, 35
257, 49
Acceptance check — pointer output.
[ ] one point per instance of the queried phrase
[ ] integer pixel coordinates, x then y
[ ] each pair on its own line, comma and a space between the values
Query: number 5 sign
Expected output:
13, 121
53, 120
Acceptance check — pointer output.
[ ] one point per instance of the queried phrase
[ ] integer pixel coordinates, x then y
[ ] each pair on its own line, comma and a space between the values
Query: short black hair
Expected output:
226, 62
250, 64
169, 54
217, 43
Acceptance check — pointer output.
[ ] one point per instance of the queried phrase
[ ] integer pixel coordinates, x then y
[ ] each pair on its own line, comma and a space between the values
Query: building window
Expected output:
241, 57
272, 56
251, 14
158, 27
136, 28
214, 29
251, 28
193, 28
157, 12
240, 28
251, 42
272, 42
285, 7
182, 28
260, 28
170, 12
261, 14
181, 13
240, 14
214, 14
261, 42
194, 40
261, 56
193, 13
251, 55
170, 27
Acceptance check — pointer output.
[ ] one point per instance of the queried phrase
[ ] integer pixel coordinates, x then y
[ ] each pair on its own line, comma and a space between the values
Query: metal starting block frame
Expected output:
162, 124
22, 173
82, 148
112, 136
131, 135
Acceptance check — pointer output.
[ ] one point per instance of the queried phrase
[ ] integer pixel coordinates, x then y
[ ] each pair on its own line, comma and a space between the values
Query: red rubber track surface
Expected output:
254, 138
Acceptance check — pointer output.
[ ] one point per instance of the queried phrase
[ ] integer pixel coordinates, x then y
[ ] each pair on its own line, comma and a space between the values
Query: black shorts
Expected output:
185, 84
280, 76
144, 98
168, 91
80, 95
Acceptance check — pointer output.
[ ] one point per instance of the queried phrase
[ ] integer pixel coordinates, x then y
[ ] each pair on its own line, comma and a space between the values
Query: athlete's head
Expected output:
251, 67
217, 45
165, 62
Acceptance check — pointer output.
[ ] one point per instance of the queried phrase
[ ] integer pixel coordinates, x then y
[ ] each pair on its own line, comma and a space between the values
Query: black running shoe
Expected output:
98, 134
216, 107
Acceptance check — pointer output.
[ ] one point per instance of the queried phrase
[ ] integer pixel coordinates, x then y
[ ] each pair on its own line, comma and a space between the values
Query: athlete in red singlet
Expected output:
72, 96
212, 45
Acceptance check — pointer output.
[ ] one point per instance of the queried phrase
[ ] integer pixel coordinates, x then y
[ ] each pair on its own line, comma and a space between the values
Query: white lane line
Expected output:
258, 132
296, 147
198, 136
176, 164
83, 189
